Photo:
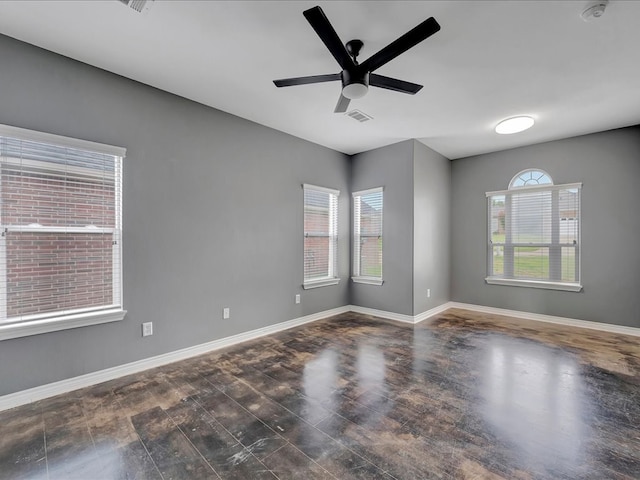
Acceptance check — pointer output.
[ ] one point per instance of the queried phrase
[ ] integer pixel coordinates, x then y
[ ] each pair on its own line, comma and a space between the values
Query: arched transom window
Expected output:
530, 178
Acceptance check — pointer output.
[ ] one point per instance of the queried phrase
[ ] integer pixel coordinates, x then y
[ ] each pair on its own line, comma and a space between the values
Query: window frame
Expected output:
332, 277
554, 246
34, 324
356, 262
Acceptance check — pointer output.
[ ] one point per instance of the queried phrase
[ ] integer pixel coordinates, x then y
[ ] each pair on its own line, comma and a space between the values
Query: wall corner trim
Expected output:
431, 312
399, 317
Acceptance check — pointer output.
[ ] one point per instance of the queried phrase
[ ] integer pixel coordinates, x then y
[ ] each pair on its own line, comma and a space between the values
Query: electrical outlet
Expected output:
297, 298
226, 313
147, 329
428, 293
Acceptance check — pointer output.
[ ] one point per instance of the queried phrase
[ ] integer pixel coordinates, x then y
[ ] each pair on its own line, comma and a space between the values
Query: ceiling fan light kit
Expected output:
357, 77
354, 87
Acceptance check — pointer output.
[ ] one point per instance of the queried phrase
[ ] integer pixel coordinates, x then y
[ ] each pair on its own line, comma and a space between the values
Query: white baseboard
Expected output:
539, 317
38, 393
63, 386
430, 313
399, 317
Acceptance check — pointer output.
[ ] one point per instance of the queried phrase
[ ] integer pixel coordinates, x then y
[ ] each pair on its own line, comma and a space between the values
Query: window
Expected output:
60, 224
534, 233
367, 236
320, 236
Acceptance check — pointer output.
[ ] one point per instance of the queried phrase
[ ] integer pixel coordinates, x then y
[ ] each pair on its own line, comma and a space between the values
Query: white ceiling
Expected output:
491, 60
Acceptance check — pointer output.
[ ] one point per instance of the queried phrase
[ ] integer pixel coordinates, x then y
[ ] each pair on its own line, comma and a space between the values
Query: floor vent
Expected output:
359, 116
138, 5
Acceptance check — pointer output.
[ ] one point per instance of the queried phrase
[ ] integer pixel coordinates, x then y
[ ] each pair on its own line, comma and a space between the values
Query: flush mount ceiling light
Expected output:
514, 125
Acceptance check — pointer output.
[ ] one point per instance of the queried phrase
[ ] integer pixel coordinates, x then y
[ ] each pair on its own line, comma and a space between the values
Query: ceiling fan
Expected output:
356, 77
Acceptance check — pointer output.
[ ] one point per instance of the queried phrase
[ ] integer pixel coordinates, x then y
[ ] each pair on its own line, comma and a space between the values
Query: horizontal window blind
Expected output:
367, 235
534, 233
60, 221
320, 233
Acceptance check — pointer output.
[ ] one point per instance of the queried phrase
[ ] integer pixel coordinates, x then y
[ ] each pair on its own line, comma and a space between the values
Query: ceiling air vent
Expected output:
138, 5
359, 116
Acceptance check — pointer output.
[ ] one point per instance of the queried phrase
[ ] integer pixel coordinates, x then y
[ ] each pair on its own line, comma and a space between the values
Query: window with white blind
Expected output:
320, 236
60, 224
534, 233
367, 236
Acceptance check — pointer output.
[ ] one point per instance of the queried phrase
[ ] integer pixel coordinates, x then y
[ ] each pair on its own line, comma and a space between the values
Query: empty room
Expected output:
319, 239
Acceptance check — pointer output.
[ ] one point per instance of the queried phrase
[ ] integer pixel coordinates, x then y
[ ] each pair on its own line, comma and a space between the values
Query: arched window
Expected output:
530, 178
534, 233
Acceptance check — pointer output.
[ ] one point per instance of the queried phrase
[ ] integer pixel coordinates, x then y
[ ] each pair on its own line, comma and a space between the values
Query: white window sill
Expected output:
367, 280
36, 327
568, 287
320, 283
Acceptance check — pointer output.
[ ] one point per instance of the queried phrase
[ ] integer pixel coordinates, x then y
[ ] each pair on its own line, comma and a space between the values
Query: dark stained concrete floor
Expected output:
463, 395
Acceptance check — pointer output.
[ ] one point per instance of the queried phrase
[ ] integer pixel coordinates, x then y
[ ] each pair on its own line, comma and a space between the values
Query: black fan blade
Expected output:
394, 84
342, 105
402, 44
320, 23
289, 82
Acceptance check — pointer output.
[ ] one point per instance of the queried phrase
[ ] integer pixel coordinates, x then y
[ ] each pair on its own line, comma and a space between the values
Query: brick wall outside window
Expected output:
50, 272
56, 271
316, 249
320, 225
368, 215
370, 246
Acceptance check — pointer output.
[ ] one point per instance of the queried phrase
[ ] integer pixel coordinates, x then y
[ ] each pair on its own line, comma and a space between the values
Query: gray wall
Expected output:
212, 215
416, 230
390, 167
431, 228
608, 165
213, 219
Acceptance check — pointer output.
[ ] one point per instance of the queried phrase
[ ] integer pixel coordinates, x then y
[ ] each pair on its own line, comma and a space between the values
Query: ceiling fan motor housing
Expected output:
355, 83
353, 47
